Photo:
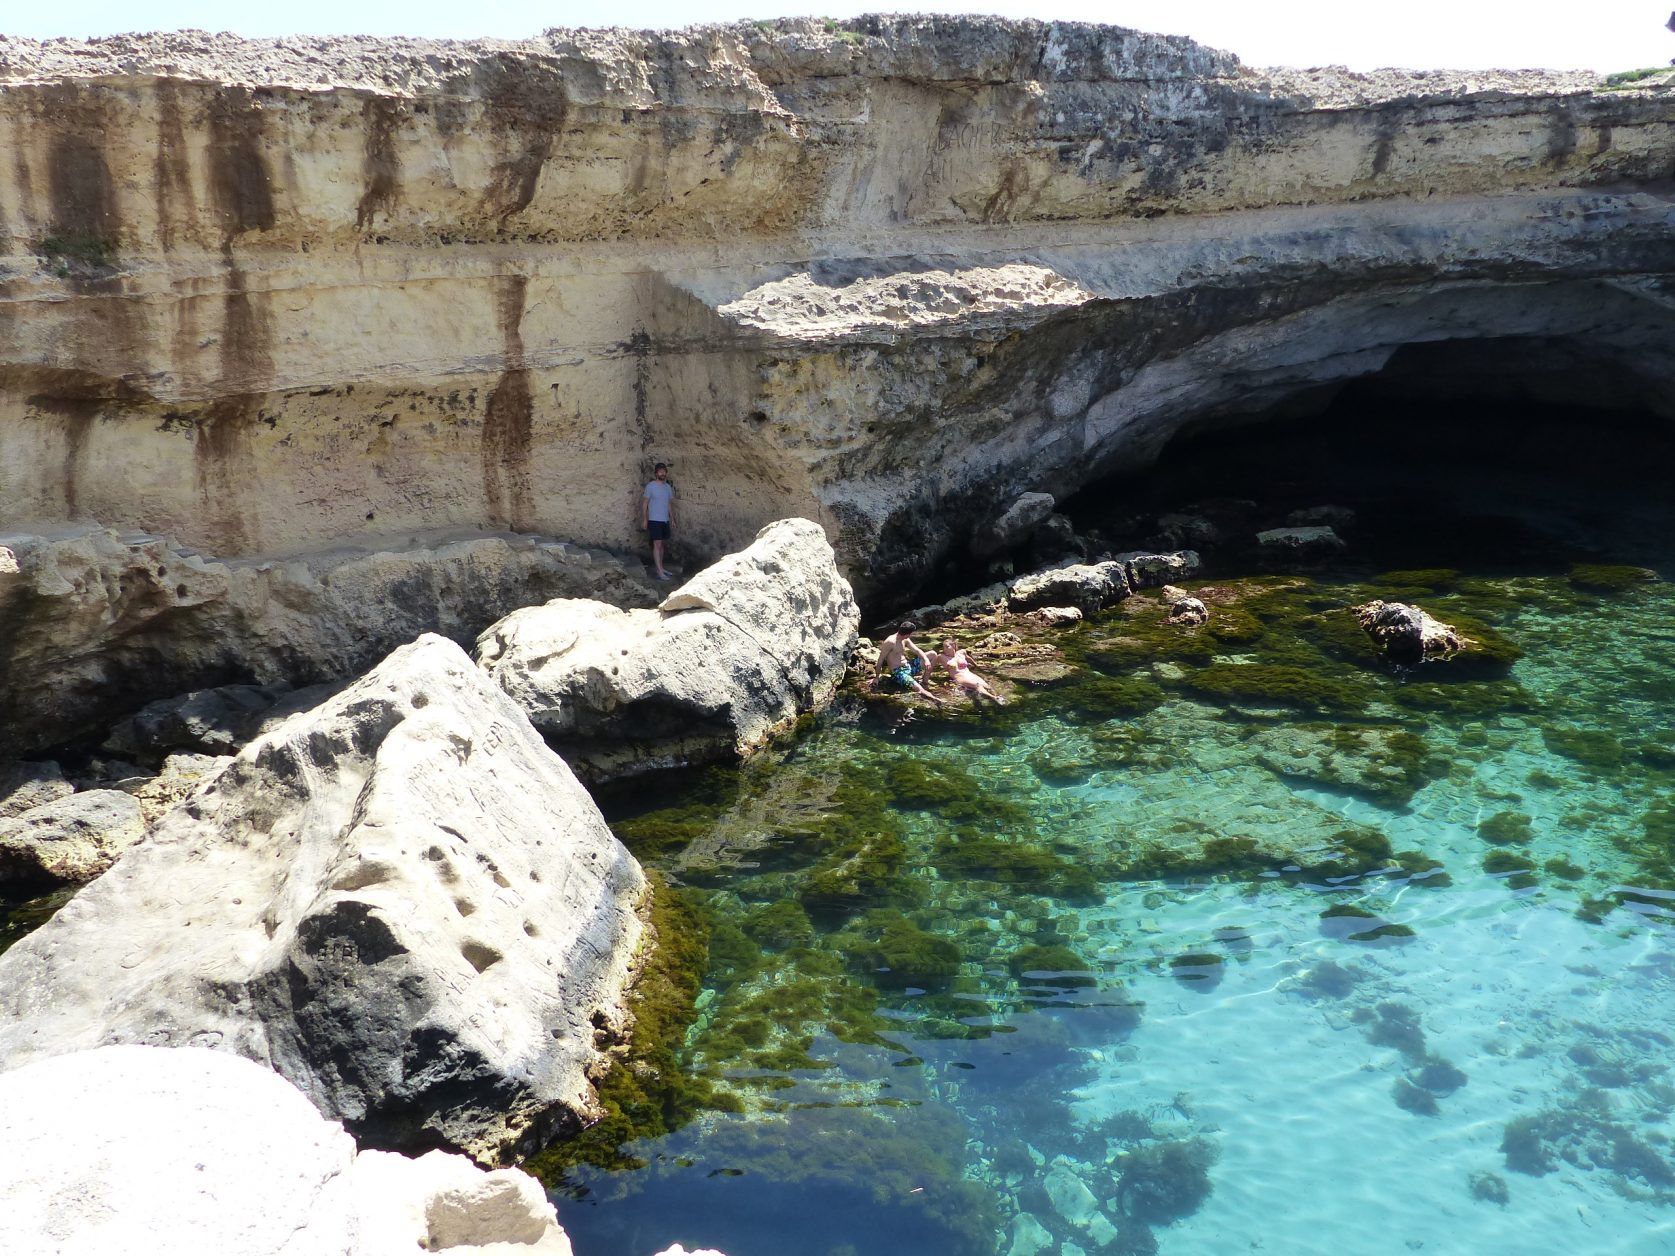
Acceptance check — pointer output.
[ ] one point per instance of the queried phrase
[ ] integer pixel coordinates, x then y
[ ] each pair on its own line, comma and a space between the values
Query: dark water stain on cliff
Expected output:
83, 198
221, 456
508, 419
172, 169
1561, 134
380, 160
525, 110
224, 463
239, 180
75, 416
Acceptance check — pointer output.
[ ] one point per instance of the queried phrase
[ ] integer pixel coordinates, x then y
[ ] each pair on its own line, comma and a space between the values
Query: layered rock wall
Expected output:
265, 297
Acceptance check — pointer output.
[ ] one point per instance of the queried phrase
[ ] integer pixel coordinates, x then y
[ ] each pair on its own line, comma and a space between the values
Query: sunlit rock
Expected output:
734, 656
131, 1148
401, 900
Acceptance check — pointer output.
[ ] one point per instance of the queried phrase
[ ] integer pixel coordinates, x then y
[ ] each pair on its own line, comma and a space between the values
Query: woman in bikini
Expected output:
959, 667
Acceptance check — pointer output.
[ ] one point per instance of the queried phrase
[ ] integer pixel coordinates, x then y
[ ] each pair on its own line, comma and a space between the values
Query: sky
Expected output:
1604, 35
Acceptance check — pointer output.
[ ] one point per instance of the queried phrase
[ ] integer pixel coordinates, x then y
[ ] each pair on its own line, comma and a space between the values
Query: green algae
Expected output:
779, 925
1422, 869
1506, 828
1050, 964
953, 794
1104, 698
971, 855
1609, 577
894, 952
1593, 748
648, 1093
1265, 684
1564, 869
1414, 1099
1198, 970
1160, 1183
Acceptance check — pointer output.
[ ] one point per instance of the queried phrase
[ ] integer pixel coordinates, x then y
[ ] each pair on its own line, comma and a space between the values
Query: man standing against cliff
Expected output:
657, 515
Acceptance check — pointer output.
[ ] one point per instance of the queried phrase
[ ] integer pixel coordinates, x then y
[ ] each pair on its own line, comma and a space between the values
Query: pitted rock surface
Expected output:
401, 900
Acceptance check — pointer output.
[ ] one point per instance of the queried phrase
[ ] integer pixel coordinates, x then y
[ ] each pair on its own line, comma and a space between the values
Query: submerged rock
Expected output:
138, 1149
71, 840
1406, 633
402, 900
744, 648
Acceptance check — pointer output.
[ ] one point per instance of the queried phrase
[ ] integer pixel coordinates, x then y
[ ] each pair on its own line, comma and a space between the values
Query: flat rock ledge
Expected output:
140, 1149
744, 648
401, 900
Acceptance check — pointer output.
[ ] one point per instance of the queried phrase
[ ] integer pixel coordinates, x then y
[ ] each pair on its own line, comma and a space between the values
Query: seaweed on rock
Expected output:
1160, 1183
895, 953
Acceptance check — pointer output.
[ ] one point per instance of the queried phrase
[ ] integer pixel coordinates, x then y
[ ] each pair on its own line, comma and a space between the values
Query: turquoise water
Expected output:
1185, 955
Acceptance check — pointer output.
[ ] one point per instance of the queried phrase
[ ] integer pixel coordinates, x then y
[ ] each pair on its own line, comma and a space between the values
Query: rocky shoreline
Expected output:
331, 367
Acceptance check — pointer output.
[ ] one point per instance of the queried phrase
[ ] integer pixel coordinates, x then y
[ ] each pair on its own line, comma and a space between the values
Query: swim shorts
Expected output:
904, 675
657, 529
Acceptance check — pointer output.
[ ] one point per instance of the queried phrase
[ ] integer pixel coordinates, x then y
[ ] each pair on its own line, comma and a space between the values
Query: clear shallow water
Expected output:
1004, 1027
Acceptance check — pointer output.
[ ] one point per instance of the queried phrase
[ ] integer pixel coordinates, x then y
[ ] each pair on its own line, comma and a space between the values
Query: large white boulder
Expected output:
736, 654
401, 900
130, 1149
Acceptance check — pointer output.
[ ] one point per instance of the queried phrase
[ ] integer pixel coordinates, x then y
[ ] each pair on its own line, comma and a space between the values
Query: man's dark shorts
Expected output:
905, 674
657, 529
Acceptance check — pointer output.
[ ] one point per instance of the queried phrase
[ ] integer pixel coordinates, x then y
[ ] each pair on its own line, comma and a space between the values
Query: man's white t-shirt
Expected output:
659, 494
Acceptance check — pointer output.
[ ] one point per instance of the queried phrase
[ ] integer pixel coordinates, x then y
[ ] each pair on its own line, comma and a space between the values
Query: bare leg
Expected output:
657, 557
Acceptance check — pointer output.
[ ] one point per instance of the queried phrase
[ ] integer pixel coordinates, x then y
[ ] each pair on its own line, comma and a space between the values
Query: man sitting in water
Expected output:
959, 666
894, 661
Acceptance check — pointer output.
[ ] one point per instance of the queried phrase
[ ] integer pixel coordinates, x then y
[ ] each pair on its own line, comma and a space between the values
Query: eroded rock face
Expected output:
885, 274
735, 655
94, 624
112, 1149
401, 900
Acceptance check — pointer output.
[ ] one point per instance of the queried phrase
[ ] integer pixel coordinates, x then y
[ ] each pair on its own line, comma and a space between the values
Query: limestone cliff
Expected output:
271, 297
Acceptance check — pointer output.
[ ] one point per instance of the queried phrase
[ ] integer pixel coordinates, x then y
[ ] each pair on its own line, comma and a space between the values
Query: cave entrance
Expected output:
1506, 455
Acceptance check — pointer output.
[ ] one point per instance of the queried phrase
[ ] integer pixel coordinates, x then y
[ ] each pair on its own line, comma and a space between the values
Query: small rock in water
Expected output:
1406, 633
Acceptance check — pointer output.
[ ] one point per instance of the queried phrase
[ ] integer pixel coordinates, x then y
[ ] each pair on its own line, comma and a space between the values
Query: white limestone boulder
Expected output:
71, 840
401, 900
1087, 587
734, 656
144, 1150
